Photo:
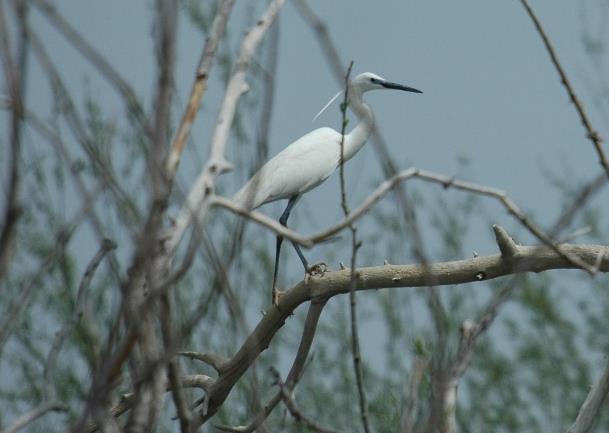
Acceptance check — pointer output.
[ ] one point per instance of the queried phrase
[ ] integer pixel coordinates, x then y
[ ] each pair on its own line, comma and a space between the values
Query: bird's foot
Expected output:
317, 269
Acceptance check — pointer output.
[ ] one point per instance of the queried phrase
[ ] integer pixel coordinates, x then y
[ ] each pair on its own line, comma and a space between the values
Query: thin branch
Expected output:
87, 198
15, 75
103, 167
31, 416
388, 167
127, 401
173, 365
469, 334
451, 182
167, 18
101, 64
212, 41
306, 340
269, 72
217, 362
15, 309
290, 403
261, 219
419, 365
49, 368
388, 185
355, 347
581, 198
589, 411
591, 133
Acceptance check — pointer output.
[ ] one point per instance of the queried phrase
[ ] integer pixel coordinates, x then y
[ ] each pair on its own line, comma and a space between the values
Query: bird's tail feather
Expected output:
246, 197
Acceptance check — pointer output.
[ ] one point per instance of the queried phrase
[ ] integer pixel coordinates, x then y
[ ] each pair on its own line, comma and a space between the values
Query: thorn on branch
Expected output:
506, 244
448, 183
599, 261
466, 329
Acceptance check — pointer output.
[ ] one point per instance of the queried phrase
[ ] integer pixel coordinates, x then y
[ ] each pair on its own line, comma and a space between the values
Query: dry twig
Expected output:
591, 133
294, 410
308, 333
49, 369
212, 41
31, 416
99, 62
355, 347
590, 409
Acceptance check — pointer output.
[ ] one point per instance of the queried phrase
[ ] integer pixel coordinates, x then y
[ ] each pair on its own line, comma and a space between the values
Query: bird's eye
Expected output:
373, 80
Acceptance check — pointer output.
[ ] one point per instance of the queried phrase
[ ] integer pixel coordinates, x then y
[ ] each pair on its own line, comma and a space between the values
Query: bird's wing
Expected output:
304, 164
301, 166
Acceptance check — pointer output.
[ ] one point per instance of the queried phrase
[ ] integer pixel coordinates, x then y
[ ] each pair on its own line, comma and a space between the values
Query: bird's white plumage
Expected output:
311, 159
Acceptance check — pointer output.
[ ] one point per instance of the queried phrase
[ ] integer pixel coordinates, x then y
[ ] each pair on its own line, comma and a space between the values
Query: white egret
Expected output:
311, 159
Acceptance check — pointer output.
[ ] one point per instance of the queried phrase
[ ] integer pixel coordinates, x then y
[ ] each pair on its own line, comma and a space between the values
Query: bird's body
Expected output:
315, 156
311, 159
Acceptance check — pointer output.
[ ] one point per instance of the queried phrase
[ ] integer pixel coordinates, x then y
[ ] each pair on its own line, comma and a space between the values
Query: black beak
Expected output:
390, 85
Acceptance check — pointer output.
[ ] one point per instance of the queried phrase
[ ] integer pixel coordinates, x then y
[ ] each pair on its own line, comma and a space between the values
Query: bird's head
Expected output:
369, 81
365, 82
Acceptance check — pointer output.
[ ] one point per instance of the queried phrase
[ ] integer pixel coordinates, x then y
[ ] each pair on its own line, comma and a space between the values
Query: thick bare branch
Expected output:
212, 41
167, 18
387, 186
308, 333
529, 259
451, 182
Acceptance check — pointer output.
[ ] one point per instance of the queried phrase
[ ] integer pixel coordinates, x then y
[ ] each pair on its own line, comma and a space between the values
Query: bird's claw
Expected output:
317, 269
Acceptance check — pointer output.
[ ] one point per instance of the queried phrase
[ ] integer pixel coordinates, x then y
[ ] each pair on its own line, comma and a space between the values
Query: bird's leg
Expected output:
315, 269
283, 220
275, 293
303, 259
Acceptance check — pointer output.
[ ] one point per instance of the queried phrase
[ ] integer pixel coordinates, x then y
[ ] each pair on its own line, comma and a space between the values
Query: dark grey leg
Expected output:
283, 220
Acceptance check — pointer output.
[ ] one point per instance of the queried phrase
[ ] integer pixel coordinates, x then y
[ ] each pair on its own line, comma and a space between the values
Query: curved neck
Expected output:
358, 136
